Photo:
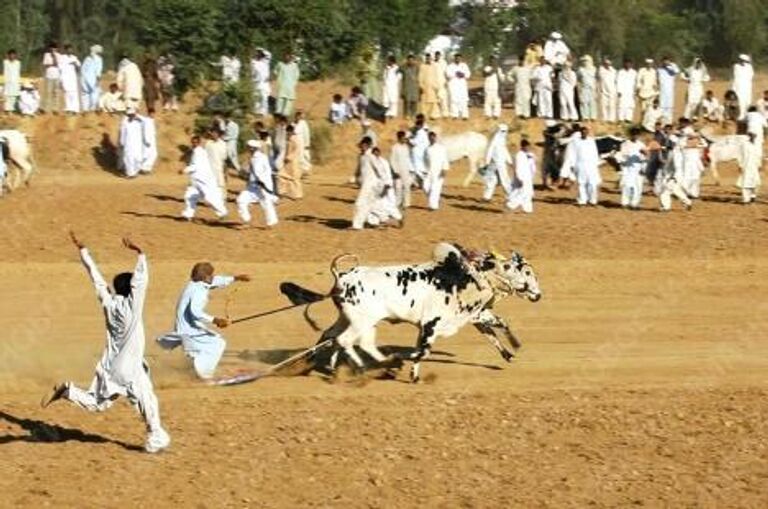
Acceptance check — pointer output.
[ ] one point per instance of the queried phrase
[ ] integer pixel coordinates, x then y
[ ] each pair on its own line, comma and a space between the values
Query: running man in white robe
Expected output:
11, 80
392, 79
202, 184
751, 163
542, 85
150, 142
632, 157
69, 65
437, 165
122, 370
606, 78
587, 166
567, 94
587, 80
493, 79
457, 74
131, 143
497, 160
216, 148
696, 75
521, 195
667, 73
90, 77
260, 189
402, 167
668, 180
743, 74
520, 75
260, 73
204, 346
626, 82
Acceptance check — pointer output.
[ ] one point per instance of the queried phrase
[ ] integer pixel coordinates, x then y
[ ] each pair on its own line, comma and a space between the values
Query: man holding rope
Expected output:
204, 346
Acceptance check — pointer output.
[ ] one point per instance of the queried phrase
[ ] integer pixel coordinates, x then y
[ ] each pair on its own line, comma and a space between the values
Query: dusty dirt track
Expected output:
642, 380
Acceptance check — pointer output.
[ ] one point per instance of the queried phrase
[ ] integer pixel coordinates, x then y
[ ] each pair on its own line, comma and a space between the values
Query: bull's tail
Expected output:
299, 295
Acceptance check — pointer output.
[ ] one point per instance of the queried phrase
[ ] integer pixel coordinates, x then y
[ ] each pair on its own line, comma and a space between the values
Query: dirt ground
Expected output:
642, 381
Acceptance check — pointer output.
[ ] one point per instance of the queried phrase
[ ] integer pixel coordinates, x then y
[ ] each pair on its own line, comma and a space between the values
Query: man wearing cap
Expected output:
90, 75
542, 84
492, 88
202, 183
743, 73
556, 52
626, 80
457, 74
606, 77
131, 143
647, 86
287, 77
696, 75
260, 187
587, 83
668, 72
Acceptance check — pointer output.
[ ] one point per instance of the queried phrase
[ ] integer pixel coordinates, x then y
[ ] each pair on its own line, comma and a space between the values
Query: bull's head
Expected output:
518, 277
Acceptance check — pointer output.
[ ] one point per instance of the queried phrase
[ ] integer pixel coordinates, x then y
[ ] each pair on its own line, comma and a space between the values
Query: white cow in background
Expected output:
471, 145
17, 149
723, 148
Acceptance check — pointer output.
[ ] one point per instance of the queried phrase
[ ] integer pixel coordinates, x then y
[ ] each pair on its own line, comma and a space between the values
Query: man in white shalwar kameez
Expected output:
521, 195
304, 137
457, 74
385, 207
667, 72
587, 167
216, 148
567, 93
692, 167
260, 188
260, 72
587, 80
122, 370
647, 85
202, 184
437, 165
150, 142
668, 180
556, 52
756, 125
542, 85
743, 74
440, 67
696, 75
371, 187
11, 80
493, 79
626, 82
204, 346
90, 77
130, 82
633, 161
29, 100
497, 160
69, 65
131, 143
419, 145
520, 75
606, 78
392, 79
402, 167
751, 163
231, 136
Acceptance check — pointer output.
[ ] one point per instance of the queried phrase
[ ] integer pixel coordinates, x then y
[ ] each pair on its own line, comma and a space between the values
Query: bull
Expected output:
439, 297
16, 148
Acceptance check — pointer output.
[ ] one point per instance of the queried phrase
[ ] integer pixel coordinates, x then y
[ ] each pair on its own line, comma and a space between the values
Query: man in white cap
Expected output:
668, 72
202, 183
743, 73
556, 52
260, 65
457, 74
260, 187
587, 165
492, 88
647, 86
542, 85
90, 75
626, 82
587, 80
497, 158
131, 143
606, 78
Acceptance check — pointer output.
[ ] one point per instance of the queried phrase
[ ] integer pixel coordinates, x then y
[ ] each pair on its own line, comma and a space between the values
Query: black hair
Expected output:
122, 284
524, 143
366, 140
400, 135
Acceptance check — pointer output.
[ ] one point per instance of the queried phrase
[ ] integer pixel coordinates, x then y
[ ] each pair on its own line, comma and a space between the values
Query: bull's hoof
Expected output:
508, 356
393, 362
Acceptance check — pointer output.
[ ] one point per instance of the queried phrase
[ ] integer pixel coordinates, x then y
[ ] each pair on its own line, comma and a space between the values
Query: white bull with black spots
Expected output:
439, 297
